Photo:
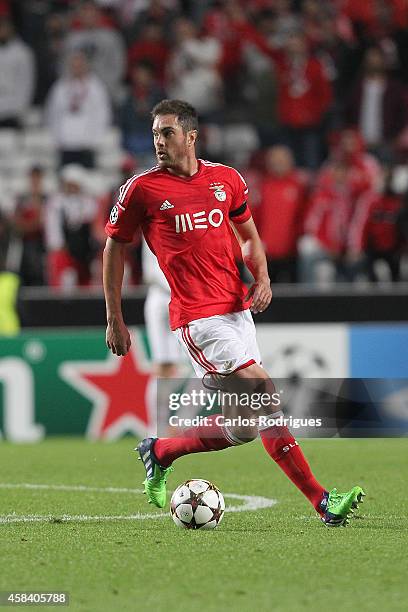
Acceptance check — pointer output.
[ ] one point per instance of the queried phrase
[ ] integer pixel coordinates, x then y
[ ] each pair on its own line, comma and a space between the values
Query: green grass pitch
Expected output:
276, 558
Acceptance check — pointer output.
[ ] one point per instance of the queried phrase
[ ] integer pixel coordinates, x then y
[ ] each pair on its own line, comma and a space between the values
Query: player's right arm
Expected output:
117, 334
124, 219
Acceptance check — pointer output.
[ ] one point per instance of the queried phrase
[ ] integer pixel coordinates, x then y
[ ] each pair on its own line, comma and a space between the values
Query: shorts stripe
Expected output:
199, 351
244, 365
194, 352
190, 350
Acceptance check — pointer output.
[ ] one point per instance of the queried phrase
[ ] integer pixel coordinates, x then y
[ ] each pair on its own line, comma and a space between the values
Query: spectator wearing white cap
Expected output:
69, 217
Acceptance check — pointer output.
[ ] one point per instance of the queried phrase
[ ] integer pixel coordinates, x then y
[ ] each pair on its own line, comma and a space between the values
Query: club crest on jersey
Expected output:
220, 195
219, 192
113, 217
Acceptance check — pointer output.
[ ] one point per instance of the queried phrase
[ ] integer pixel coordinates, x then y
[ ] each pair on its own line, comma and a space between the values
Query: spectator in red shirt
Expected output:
150, 46
363, 170
281, 213
29, 222
334, 212
375, 234
304, 97
348, 175
326, 225
4, 7
377, 18
228, 22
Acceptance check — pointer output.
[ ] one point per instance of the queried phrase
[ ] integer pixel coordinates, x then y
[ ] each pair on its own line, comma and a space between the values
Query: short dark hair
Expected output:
185, 113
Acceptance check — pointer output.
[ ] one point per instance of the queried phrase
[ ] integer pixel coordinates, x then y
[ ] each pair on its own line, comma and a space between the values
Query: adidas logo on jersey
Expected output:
166, 205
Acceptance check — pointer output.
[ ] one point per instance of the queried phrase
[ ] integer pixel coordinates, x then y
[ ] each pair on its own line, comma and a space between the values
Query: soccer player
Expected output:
165, 349
185, 206
166, 352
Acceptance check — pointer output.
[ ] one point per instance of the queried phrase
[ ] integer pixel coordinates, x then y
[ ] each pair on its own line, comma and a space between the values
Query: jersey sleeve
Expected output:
239, 211
128, 212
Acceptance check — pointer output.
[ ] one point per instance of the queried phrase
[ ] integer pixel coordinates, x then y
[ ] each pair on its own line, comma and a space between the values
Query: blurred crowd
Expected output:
307, 98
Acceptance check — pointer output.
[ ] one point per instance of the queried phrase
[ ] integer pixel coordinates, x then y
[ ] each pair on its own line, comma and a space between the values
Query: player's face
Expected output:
171, 144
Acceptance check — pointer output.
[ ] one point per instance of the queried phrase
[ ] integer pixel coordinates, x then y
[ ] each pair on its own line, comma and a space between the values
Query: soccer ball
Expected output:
197, 504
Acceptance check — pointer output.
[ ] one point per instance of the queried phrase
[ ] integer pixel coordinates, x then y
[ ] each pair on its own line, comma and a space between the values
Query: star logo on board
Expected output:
121, 390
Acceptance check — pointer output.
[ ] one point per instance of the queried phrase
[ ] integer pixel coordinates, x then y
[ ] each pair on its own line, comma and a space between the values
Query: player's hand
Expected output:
262, 294
118, 337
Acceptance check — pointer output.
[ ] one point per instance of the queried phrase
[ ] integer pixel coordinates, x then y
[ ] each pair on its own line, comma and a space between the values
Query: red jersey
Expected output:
304, 93
185, 221
329, 217
281, 215
375, 223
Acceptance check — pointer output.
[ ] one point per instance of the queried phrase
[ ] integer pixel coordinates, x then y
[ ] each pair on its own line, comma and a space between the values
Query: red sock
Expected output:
283, 448
209, 437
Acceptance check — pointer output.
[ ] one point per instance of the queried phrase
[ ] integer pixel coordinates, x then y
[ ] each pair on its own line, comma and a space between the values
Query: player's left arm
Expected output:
254, 258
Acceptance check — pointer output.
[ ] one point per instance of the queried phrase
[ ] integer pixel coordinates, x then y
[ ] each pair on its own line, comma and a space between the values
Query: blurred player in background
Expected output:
166, 353
185, 206
165, 349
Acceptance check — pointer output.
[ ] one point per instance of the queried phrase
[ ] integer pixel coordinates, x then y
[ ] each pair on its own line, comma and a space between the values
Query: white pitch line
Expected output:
67, 518
251, 503
83, 488
361, 514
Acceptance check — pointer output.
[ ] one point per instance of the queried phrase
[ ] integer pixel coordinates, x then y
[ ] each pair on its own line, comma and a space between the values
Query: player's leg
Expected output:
210, 343
278, 441
158, 454
207, 343
333, 507
280, 444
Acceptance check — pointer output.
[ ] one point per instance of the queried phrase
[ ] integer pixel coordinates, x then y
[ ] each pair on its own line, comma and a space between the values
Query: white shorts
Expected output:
222, 343
163, 344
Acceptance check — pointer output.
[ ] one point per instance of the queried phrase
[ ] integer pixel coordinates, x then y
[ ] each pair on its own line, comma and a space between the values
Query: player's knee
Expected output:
241, 431
253, 379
